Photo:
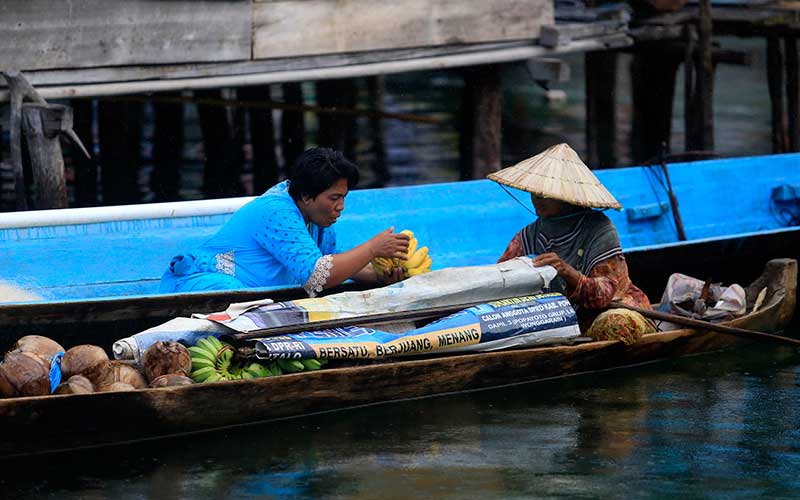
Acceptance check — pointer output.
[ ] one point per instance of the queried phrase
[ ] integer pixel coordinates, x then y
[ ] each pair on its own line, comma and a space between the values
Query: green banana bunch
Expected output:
213, 360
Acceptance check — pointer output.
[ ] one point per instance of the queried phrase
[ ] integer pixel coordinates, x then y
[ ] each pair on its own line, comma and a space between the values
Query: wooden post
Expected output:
792, 97
481, 135
775, 85
19, 90
689, 90
120, 134
337, 131
15, 138
705, 80
653, 74
375, 88
42, 124
293, 127
262, 138
221, 173
601, 122
167, 150
85, 184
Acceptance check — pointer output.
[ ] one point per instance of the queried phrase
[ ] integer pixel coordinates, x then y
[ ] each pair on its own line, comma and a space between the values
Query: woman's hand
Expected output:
571, 275
389, 244
391, 276
355, 263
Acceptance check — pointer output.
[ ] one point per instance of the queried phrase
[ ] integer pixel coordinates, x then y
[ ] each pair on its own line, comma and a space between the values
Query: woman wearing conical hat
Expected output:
582, 244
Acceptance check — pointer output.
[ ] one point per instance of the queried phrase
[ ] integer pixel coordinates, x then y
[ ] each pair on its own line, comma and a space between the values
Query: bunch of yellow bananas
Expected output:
417, 260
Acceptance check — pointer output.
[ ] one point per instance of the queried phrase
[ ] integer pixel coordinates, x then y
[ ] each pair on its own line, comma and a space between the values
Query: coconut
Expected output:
163, 358
77, 384
171, 380
125, 373
87, 360
5, 385
23, 374
117, 386
42, 346
45, 362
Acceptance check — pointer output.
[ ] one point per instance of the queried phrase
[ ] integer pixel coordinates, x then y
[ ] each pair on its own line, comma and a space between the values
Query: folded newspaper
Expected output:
444, 287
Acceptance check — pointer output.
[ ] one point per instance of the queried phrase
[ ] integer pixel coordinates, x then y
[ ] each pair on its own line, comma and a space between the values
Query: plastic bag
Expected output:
682, 296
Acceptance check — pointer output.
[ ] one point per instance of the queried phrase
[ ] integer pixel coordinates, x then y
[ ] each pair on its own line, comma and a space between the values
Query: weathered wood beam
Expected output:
46, 34
41, 124
41, 78
19, 90
281, 71
359, 25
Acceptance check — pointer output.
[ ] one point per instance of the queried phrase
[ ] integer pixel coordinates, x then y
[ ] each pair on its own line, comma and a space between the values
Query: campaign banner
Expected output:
540, 319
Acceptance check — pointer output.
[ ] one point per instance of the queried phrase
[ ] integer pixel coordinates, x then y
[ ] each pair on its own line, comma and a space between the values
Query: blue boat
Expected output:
99, 268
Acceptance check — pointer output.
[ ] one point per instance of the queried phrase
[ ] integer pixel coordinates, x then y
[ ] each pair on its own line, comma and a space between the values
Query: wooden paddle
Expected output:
706, 325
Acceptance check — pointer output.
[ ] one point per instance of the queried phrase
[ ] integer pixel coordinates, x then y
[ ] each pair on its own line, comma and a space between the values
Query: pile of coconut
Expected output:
25, 369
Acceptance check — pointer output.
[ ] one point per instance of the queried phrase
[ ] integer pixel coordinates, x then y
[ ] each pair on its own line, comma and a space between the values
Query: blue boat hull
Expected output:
104, 274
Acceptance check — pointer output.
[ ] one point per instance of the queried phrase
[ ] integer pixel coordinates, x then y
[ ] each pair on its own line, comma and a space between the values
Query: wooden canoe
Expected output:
48, 424
98, 268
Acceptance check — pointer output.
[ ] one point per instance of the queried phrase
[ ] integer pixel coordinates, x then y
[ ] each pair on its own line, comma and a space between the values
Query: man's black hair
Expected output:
317, 169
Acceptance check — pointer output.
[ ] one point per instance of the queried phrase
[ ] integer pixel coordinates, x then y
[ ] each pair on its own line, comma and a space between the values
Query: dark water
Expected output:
724, 425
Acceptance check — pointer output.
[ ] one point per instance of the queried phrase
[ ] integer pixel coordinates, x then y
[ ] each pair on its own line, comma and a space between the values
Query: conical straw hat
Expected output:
558, 173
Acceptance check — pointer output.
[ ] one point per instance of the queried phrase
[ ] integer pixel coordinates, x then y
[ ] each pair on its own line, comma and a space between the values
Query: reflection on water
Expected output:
716, 426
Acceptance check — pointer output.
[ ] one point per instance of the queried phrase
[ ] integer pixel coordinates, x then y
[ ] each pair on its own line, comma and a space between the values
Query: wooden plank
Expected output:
41, 34
359, 25
194, 70
253, 74
564, 33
